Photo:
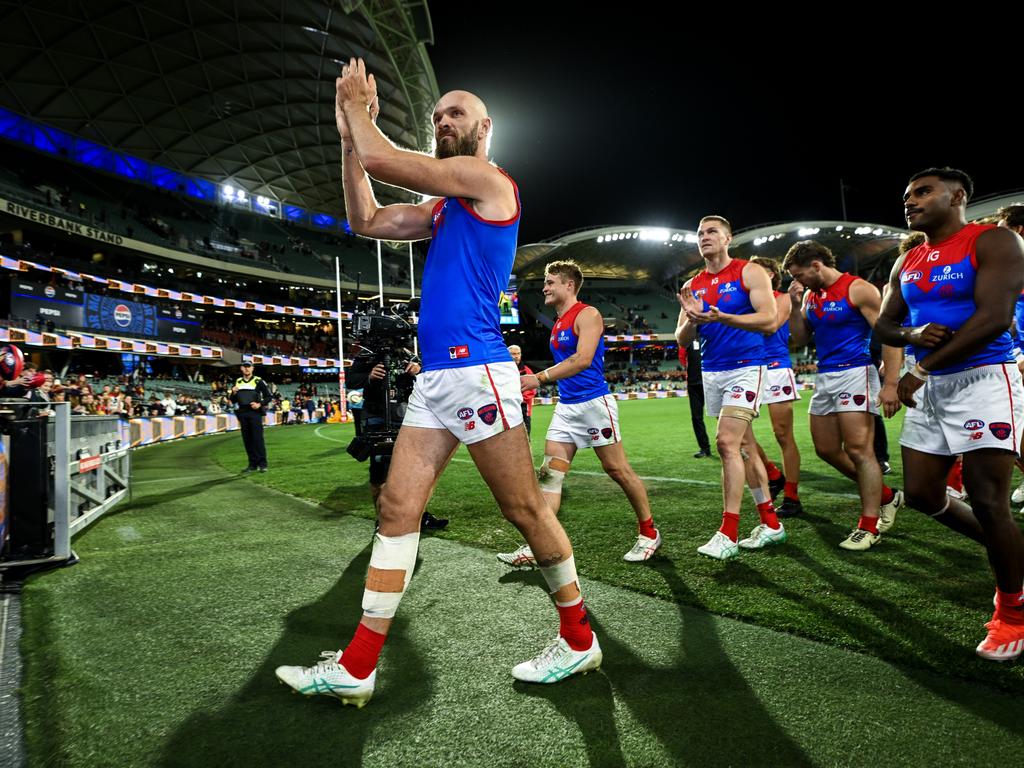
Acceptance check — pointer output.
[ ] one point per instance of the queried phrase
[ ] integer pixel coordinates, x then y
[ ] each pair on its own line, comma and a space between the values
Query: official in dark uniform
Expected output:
695, 394
251, 396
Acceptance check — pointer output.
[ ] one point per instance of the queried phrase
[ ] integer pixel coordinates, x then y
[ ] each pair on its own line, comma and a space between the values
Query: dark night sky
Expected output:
614, 120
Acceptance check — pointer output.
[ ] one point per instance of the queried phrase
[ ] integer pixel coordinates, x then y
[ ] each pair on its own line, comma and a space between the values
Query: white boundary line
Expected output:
648, 478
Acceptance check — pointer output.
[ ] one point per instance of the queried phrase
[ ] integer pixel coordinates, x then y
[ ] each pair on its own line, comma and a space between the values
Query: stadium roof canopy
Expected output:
662, 257
236, 92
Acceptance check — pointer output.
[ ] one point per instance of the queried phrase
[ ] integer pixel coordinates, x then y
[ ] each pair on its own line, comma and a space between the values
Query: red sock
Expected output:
868, 524
887, 494
647, 528
360, 658
731, 525
955, 478
790, 492
773, 471
1009, 607
574, 625
767, 513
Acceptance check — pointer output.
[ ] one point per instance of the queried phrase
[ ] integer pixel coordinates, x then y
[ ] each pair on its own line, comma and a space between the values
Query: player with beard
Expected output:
468, 390
964, 393
586, 415
730, 306
840, 309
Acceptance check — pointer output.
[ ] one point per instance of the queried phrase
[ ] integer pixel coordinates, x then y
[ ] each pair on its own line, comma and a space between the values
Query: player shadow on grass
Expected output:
265, 724
350, 498
927, 671
692, 708
182, 491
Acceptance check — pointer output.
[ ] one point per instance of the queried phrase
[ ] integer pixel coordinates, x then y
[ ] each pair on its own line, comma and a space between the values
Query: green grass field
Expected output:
159, 647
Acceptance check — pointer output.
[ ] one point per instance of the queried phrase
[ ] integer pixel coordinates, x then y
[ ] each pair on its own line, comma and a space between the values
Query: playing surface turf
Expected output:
159, 647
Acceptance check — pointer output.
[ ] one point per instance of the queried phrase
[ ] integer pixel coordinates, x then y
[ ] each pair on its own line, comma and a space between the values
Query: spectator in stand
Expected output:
529, 394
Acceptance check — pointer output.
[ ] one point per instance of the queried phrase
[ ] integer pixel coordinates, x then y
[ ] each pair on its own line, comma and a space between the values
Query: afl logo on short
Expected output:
49, 291
465, 413
1000, 429
122, 315
593, 431
910, 277
973, 424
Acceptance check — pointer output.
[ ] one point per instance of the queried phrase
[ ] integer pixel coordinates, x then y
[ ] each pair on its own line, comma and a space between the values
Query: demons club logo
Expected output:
487, 413
1000, 429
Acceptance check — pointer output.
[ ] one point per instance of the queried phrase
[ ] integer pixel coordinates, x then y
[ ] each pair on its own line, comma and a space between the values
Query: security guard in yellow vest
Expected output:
251, 396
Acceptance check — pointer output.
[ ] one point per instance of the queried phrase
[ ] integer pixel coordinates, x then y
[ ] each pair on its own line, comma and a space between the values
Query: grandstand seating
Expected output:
171, 220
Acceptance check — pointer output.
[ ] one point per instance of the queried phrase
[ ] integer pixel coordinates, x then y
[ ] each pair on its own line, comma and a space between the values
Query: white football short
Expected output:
739, 388
850, 391
959, 412
589, 424
473, 403
779, 386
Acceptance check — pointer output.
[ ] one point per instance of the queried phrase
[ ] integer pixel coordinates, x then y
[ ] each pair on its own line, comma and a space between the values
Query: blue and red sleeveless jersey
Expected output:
588, 383
723, 348
468, 266
841, 334
1018, 316
937, 281
776, 346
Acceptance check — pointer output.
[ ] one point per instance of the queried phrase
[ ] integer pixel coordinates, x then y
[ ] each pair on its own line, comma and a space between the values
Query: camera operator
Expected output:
383, 409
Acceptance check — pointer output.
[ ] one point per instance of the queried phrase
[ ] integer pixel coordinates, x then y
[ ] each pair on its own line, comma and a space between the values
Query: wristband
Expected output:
543, 377
918, 372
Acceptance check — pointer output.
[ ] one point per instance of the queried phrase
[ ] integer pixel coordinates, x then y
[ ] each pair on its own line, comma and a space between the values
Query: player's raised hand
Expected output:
374, 105
353, 85
796, 291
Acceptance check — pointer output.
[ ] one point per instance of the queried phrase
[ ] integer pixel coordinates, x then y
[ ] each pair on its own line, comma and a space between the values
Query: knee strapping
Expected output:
552, 474
391, 566
560, 574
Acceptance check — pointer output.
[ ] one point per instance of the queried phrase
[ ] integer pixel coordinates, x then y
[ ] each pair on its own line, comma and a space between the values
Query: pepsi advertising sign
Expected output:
115, 315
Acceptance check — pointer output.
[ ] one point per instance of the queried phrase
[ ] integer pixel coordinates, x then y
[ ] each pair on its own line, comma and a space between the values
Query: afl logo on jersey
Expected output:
122, 315
912, 277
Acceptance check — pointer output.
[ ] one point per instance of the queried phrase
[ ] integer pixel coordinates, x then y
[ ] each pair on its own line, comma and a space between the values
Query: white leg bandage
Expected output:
759, 496
560, 574
552, 473
391, 566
